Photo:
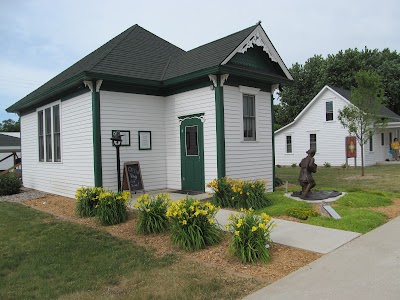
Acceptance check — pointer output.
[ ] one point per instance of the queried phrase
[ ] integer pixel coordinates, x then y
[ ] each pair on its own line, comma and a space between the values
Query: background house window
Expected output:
249, 118
329, 110
371, 143
49, 134
390, 140
288, 144
313, 141
41, 135
382, 139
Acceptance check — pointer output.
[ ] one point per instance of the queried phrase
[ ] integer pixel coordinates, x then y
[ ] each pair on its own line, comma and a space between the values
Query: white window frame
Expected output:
245, 90
291, 144
52, 132
326, 111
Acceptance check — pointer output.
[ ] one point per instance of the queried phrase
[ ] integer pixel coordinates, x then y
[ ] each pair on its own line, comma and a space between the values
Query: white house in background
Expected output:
318, 127
206, 113
10, 149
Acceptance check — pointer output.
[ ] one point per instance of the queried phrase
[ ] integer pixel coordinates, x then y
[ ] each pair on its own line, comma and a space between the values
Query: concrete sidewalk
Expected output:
366, 268
303, 236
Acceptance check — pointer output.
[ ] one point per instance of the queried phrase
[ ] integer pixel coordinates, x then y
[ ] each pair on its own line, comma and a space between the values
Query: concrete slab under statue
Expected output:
317, 195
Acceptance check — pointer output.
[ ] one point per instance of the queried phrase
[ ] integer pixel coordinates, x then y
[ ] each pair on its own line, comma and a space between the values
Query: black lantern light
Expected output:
116, 142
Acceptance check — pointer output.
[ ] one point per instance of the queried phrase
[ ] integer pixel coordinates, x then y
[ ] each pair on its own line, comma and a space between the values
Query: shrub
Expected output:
87, 199
223, 194
239, 193
301, 213
152, 213
278, 181
294, 165
327, 165
278, 166
9, 184
193, 225
343, 166
250, 235
111, 208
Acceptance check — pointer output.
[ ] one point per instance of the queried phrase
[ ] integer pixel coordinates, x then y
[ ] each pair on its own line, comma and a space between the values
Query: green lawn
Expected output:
42, 257
380, 178
376, 189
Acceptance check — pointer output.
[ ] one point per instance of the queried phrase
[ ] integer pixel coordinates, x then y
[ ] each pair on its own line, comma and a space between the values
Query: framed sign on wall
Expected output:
144, 140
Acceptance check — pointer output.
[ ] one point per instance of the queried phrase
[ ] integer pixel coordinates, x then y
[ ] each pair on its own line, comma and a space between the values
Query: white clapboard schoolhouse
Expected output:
317, 127
186, 116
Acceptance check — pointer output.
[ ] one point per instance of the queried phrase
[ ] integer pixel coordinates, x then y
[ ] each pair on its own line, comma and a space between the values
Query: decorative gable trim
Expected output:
259, 38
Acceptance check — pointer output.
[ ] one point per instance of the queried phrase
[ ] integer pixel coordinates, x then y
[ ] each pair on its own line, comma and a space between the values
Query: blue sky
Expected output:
41, 38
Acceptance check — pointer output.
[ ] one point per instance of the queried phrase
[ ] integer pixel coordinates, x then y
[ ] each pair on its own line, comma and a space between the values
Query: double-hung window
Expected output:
249, 117
371, 143
313, 142
288, 144
49, 134
329, 111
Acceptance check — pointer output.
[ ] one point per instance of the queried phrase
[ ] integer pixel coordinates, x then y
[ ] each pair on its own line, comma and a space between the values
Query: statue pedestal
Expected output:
317, 195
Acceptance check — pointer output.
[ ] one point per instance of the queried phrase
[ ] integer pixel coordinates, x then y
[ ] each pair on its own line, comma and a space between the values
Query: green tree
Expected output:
339, 70
10, 126
361, 117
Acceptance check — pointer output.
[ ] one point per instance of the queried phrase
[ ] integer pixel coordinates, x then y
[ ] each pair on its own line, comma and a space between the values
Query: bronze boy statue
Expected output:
307, 166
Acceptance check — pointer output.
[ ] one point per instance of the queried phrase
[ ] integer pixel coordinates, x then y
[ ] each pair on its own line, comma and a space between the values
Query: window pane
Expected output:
40, 136
288, 144
249, 120
47, 125
56, 132
329, 111
192, 147
371, 143
313, 142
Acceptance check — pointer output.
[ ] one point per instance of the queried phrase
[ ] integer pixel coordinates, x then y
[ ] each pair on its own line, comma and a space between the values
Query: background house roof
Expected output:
9, 143
383, 111
137, 54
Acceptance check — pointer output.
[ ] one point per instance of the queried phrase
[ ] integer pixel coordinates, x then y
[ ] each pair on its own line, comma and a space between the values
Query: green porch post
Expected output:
220, 128
273, 141
98, 173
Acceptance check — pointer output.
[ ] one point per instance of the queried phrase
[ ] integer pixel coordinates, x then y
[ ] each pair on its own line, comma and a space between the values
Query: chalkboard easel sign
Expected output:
132, 178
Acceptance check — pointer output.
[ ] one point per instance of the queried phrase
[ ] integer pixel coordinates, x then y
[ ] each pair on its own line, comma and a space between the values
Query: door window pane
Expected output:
192, 147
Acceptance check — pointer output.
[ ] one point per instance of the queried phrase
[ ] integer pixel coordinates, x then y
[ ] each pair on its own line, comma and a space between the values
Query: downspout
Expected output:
94, 86
218, 82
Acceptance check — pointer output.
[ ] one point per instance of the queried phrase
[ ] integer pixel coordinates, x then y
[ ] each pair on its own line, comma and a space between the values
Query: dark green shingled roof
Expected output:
206, 56
137, 54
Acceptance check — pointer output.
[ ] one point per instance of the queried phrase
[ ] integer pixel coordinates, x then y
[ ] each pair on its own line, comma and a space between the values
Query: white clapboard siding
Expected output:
248, 159
133, 112
76, 168
188, 103
330, 135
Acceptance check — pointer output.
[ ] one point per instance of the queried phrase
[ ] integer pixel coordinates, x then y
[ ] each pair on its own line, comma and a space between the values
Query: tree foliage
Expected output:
361, 118
339, 70
10, 126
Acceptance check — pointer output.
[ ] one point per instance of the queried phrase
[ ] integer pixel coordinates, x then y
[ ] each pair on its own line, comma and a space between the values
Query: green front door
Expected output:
192, 154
